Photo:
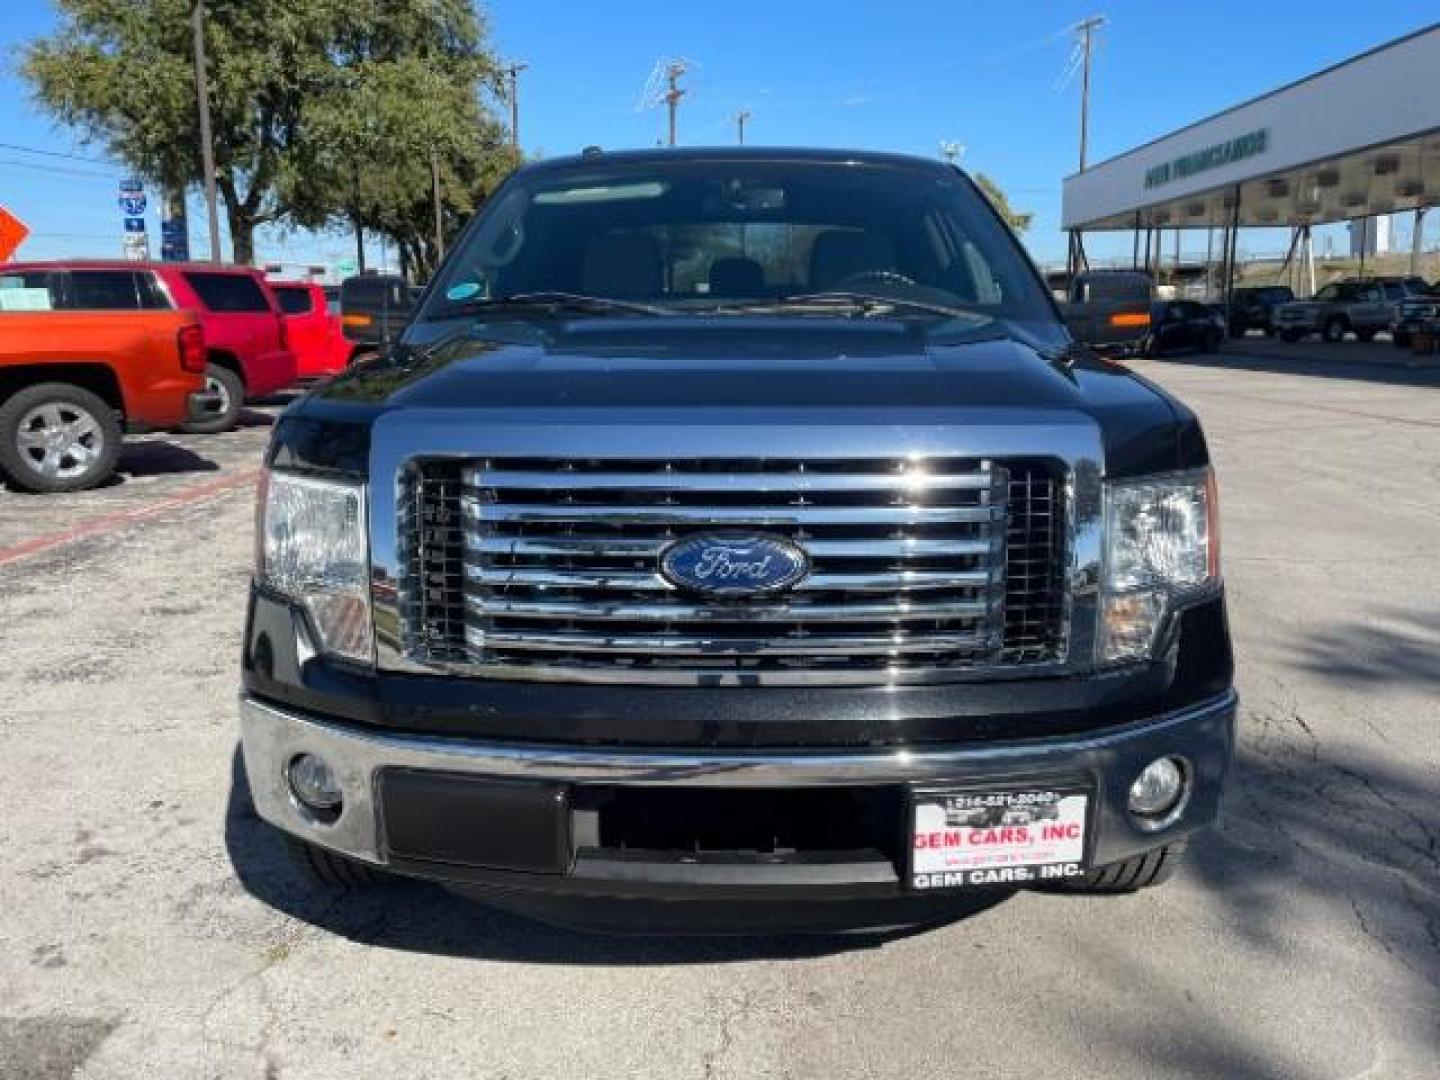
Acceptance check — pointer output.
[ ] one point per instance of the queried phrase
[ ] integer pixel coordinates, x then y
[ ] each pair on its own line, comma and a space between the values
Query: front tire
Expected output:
56, 437
230, 387
1142, 872
1365, 335
1400, 339
323, 868
1334, 330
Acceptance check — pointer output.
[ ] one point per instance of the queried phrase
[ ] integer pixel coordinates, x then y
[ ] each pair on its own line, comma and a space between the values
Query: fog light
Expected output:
1158, 789
314, 784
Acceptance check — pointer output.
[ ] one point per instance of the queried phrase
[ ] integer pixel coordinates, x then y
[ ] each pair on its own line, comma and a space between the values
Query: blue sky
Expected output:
899, 76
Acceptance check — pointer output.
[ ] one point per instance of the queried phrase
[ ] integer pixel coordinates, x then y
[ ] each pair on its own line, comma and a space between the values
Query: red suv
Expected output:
248, 352
321, 347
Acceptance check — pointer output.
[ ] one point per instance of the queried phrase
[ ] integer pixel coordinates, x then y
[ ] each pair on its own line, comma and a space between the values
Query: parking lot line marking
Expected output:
110, 523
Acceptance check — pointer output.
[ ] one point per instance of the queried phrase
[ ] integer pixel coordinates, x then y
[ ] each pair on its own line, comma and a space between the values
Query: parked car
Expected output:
315, 334
374, 309
692, 583
1362, 306
1253, 308
72, 380
1176, 325
1411, 312
248, 355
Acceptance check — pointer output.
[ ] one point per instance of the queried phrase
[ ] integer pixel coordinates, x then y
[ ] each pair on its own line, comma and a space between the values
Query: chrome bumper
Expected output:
272, 736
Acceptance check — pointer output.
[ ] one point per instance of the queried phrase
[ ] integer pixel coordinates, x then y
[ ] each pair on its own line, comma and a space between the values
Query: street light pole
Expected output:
207, 150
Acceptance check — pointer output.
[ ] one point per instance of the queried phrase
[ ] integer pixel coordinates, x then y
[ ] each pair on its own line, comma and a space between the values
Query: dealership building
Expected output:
1357, 142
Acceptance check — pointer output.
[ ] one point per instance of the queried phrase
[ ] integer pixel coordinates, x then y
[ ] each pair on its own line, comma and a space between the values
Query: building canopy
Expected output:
1358, 139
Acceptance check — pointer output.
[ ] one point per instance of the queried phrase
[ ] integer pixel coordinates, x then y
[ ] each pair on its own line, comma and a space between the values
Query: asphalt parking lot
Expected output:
151, 927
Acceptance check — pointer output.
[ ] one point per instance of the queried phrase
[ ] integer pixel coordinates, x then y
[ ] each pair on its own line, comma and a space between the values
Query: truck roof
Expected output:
771, 154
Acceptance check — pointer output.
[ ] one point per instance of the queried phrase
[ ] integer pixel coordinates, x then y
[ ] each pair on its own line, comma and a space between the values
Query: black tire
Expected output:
1212, 341
1400, 339
1269, 331
232, 391
1152, 868
1365, 335
329, 870
1334, 329
91, 427
1291, 336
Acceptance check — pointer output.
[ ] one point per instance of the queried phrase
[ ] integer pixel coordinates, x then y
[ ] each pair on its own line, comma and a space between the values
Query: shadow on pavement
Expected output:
157, 457
1396, 646
1240, 356
425, 918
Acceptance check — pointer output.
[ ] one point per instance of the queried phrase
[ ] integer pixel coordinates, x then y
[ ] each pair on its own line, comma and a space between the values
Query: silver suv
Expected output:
1362, 307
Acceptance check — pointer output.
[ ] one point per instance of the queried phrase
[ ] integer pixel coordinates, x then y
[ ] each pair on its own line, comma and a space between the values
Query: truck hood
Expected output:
741, 369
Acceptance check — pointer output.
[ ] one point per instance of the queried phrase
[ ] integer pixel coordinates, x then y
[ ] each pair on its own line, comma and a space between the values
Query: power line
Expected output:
58, 170
56, 154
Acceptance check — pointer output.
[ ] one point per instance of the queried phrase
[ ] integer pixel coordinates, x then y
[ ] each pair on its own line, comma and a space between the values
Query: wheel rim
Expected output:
218, 388
59, 440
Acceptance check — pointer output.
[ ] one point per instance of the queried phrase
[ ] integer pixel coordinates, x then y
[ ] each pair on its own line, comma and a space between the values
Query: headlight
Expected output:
1162, 541
313, 549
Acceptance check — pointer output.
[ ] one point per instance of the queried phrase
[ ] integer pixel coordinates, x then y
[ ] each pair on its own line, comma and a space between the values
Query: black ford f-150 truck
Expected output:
738, 539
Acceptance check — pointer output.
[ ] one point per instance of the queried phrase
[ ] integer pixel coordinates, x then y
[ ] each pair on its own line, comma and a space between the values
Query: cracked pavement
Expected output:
150, 927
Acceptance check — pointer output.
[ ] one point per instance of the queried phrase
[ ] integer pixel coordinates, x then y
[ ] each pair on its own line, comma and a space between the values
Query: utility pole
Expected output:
207, 151
439, 225
1086, 30
740, 118
673, 71
513, 71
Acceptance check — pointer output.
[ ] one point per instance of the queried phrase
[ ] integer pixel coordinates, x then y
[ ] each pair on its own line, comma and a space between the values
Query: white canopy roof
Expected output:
1358, 139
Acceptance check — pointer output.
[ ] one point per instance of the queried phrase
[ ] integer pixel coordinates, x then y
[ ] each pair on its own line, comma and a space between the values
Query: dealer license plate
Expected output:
961, 838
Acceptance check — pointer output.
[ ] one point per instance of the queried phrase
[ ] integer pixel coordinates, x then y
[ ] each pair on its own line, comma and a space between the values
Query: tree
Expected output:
1019, 220
279, 71
378, 144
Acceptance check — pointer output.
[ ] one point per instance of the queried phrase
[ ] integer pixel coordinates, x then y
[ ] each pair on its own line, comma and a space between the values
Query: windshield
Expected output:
697, 236
1338, 291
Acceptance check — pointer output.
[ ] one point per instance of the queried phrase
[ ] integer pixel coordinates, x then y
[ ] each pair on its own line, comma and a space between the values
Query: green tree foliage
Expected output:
323, 111
1019, 220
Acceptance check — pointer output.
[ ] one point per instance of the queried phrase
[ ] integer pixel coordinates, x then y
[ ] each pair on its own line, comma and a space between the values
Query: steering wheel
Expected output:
884, 277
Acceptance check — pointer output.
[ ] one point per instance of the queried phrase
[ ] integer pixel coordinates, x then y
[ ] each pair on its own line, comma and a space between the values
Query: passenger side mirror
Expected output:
1108, 325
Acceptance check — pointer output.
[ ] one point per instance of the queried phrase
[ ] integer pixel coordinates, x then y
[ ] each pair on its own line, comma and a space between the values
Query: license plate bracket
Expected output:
968, 837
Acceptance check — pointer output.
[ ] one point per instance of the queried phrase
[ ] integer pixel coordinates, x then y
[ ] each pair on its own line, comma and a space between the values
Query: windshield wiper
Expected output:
552, 300
863, 303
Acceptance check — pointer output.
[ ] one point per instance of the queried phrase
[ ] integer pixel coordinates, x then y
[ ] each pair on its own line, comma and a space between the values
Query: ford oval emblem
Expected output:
734, 564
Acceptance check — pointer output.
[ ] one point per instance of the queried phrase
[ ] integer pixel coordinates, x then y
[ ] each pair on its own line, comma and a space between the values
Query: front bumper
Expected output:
513, 804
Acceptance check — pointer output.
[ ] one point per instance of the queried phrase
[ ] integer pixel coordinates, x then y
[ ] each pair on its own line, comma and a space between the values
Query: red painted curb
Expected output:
109, 523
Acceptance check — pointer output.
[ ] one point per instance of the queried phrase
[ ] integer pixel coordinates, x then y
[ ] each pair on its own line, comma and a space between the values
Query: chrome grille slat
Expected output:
685, 483
919, 566
501, 607
901, 581
719, 647
894, 548
757, 516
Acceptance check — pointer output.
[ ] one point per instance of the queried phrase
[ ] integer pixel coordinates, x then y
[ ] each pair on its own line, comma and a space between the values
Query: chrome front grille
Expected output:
549, 569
